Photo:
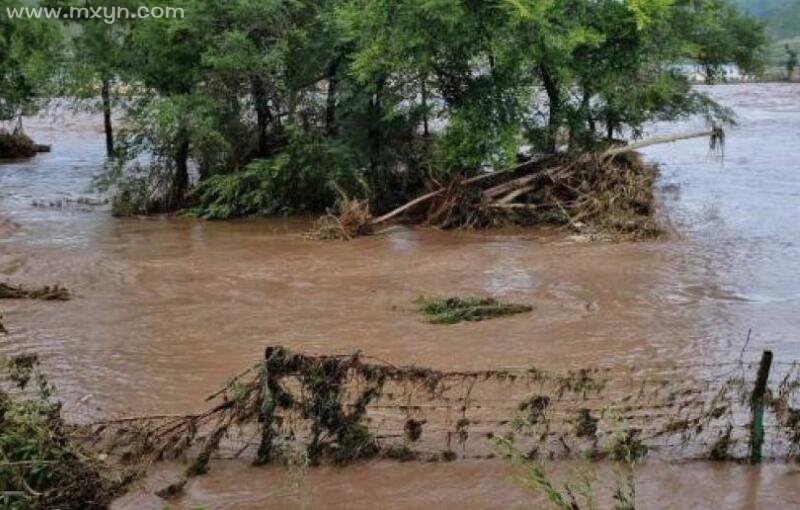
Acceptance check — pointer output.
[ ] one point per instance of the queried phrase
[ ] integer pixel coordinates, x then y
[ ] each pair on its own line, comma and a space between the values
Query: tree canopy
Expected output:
283, 105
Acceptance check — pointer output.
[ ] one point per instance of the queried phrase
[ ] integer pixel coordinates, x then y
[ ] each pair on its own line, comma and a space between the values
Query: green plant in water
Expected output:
579, 490
40, 468
455, 309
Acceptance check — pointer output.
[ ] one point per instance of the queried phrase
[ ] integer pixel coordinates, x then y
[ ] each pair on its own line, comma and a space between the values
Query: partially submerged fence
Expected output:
340, 408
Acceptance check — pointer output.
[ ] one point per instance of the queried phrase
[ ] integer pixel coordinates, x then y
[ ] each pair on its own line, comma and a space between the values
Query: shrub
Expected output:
40, 467
303, 178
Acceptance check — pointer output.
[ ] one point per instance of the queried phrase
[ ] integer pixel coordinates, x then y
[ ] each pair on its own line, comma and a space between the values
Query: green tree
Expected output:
96, 60
399, 91
29, 59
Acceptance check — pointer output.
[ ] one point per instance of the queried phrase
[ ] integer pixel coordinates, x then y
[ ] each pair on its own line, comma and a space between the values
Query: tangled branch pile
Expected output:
353, 219
47, 293
608, 194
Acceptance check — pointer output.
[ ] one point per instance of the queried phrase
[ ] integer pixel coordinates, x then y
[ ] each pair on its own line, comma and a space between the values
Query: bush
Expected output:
40, 467
304, 178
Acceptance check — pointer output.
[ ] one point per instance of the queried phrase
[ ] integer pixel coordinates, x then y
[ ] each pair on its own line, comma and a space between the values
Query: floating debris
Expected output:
455, 309
47, 293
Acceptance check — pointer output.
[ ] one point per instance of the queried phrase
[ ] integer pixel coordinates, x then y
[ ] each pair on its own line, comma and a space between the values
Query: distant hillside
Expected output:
781, 16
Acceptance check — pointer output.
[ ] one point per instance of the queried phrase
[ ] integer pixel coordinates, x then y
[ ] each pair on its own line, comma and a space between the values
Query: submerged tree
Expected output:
285, 106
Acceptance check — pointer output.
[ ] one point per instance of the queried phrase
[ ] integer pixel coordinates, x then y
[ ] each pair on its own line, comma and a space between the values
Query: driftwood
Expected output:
507, 190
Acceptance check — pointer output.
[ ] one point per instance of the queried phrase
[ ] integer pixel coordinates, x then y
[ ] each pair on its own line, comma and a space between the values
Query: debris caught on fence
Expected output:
342, 408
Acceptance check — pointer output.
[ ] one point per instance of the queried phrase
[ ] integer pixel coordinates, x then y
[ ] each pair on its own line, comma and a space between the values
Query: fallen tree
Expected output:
608, 192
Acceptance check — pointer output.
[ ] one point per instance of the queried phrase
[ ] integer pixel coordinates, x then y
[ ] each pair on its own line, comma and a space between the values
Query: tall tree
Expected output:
29, 59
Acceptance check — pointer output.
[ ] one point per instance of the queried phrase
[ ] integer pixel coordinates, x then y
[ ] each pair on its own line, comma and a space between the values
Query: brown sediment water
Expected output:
165, 309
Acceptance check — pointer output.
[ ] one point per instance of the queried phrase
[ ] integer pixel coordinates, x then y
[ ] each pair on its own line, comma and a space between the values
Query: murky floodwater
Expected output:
167, 309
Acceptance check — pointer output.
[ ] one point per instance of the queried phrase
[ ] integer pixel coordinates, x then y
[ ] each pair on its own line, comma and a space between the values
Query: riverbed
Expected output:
166, 309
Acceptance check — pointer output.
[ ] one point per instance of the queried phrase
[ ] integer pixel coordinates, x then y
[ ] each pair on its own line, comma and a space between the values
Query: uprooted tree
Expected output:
274, 107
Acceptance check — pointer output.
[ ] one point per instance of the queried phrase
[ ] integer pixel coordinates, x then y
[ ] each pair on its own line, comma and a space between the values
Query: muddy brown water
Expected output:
167, 308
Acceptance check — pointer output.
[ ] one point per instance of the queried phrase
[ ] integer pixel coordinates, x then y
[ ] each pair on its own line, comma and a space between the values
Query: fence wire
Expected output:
339, 408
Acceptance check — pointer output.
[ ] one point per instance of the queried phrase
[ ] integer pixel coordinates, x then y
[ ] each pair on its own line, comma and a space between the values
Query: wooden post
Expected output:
757, 403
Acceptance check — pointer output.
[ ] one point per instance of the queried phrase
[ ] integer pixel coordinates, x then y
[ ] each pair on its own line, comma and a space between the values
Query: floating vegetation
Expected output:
41, 467
455, 309
47, 293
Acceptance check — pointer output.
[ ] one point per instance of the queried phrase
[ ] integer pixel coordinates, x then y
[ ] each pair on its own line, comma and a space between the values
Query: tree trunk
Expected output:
375, 127
330, 101
586, 105
105, 92
425, 131
554, 98
609, 128
180, 180
263, 114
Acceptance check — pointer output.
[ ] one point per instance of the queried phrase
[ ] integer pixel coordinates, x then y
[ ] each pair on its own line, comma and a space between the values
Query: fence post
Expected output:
757, 404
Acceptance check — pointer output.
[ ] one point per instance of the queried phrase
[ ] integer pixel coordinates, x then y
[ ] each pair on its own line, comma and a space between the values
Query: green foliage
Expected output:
304, 178
454, 310
29, 51
782, 17
40, 468
579, 490
273, 101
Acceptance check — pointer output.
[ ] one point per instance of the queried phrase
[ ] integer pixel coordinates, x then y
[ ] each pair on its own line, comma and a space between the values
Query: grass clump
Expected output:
455, 309
47, 293
40, 467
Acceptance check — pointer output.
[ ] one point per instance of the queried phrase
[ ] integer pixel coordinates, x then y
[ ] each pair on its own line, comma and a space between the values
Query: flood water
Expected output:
167, 308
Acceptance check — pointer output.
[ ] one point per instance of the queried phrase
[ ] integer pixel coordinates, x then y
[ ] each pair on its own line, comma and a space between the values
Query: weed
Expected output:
40, 467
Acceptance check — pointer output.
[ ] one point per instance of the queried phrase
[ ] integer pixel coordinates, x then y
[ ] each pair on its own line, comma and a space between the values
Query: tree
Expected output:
29, 59
791, 62
96, 61
397, 92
